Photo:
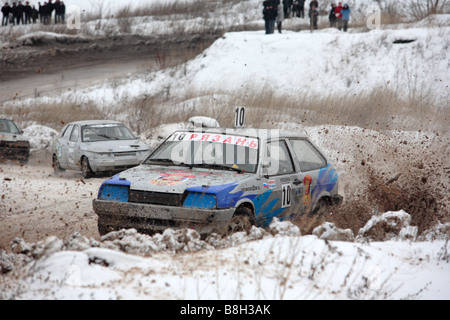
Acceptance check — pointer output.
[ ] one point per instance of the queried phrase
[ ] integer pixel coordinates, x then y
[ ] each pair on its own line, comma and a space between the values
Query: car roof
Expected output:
248, 132
94, 122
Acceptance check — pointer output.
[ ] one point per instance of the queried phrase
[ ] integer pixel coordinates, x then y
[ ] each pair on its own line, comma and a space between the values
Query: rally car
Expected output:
219, 180
13, 145
97, 146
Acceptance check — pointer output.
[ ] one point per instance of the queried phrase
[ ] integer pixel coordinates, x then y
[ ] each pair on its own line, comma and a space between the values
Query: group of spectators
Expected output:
19, 13
276, 11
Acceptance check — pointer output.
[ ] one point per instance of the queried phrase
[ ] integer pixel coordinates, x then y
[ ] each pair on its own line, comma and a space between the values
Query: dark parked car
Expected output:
13, 145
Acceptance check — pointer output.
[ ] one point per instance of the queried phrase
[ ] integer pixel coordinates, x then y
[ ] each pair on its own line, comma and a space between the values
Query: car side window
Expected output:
75, 134
66, 131
279, 158
309, 158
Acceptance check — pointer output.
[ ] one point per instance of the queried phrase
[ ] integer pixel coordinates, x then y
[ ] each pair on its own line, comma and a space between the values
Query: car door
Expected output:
278, 182
313, 167
62, 146
73, 160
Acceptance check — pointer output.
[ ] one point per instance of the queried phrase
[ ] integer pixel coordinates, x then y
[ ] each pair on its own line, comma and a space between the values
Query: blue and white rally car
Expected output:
219, 180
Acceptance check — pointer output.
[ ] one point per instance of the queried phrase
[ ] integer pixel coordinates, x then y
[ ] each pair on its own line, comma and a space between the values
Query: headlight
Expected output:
113, 192
200, 200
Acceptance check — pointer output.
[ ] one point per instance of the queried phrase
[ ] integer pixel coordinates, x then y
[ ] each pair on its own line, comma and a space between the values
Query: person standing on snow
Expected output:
313, 17
270, 13
332, 16
6, 10
338, 14
345, 16
280, 17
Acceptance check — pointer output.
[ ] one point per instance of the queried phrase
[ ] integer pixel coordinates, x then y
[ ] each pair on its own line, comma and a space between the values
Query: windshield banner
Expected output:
218, 138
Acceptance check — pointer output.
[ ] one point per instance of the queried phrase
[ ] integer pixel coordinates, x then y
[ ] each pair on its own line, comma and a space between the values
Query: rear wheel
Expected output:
86, 168
321, 207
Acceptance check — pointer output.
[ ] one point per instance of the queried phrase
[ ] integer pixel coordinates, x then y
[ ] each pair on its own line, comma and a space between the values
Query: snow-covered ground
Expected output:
275, 264
327, 62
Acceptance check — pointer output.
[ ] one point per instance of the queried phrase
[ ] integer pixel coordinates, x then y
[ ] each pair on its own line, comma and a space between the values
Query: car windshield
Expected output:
106, 132
218, 151
8, 126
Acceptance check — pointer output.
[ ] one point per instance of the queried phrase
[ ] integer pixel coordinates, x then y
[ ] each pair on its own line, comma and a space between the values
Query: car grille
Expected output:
125, 154
158, 198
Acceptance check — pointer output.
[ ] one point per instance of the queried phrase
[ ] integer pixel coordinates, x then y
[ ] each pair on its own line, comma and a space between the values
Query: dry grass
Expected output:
378, 109
54, 115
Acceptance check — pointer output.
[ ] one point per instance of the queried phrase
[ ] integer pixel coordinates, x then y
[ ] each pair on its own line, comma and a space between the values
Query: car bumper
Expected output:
14, 151
115, 215
114, 164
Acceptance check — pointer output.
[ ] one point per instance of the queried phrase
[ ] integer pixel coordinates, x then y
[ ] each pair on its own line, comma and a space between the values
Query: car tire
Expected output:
86, 168
56, 166
243, 220
321, 207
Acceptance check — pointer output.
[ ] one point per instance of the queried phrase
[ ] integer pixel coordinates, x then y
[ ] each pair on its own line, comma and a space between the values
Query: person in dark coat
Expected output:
313, 15
27, 12
45, 13
6, 10
299, 8
51, 8
63, 12
34, 14
57, 7
19, 13
270, 13
332, 16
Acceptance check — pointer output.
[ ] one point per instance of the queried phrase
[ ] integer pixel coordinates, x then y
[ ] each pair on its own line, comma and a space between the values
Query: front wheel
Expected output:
86, 168
242, 221
56, 166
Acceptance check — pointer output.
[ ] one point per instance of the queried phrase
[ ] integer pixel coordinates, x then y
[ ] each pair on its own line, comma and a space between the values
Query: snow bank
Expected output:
273, 267
40, 137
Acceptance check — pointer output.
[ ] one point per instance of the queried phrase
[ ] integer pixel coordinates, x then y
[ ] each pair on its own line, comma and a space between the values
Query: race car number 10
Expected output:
239, 117
286, 195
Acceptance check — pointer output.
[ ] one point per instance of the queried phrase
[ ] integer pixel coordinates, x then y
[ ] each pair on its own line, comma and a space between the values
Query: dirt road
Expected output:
48, 68
35, 203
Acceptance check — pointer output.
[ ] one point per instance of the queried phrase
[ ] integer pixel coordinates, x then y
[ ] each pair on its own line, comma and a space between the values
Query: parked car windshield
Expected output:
8, 126
106, 132
218, 151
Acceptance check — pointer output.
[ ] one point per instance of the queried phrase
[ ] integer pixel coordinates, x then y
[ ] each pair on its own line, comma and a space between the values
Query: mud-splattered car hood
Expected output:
176, 179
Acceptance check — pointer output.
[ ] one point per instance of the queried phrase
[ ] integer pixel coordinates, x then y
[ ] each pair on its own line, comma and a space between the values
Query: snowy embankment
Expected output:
323, 63
277, 263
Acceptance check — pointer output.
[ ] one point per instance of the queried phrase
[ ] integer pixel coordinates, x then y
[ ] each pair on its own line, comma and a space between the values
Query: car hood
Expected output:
6, 136
174, 179
114, 146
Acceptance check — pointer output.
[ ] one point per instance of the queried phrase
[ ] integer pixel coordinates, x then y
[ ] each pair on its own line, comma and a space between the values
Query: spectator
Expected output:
332, 16
299, 8
338, 14
27, 12
41, 12
63, 12
270, 14
34, 14
313, 17
45, 13
50, 8
19, 13
345, 16
57, 7
6, 10
280, 17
